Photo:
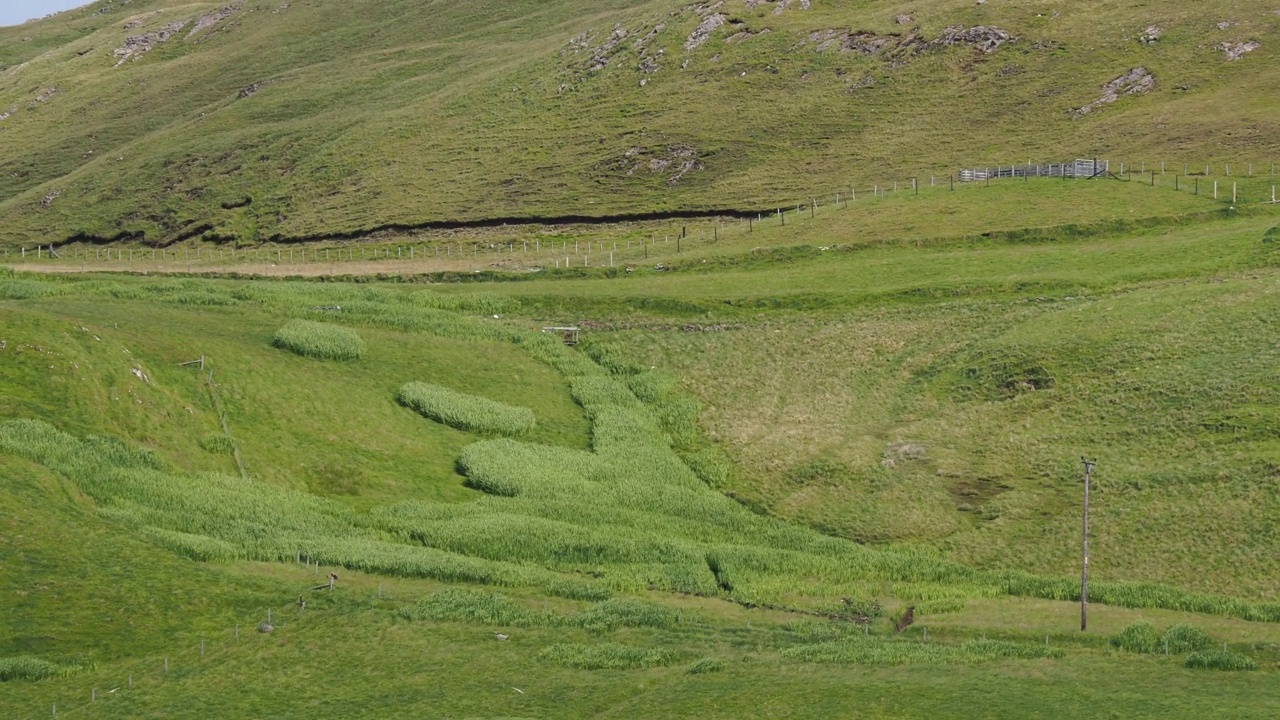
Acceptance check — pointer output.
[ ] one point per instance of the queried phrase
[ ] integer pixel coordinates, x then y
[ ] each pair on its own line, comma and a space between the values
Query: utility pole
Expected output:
1084, 565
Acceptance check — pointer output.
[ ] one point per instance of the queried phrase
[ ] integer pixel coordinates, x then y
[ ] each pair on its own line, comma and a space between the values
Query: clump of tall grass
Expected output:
319, 340
1142, 637
1140, 595
1220, 660
1139, 637
462, 605
196, 547
872, 650
217, 444
940, 607
704, 666
465, 412
710, 465
608, 656
33, 668
1182, 638
466, 605
485, 303
26, 289
858, 610
625, 612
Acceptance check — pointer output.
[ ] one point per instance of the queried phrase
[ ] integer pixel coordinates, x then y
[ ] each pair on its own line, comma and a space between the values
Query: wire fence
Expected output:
98, 688
653, 242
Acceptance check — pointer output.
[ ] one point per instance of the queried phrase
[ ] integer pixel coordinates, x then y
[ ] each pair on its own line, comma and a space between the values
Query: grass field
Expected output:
926, 401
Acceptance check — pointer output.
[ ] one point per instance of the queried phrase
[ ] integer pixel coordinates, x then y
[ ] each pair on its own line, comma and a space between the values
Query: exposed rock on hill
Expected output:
1137, 81
863, 43
782, 6
745, 35
212, 18
1237, 50
599, 55
984, 39
136, 46
673, 161
981, 38
703, 32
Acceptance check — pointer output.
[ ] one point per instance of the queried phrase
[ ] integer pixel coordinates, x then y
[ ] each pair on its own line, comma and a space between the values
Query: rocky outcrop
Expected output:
1137, 81
1237, 50
703, 32
136, 46
745, 35
779, 6
672, 161
213, 17
981, 38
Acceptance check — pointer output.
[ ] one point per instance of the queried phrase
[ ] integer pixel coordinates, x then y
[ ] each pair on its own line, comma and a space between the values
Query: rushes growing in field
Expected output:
462, 605
625, 612
33, 668
940, 607
218, 444
11, 289
872, 650
608, 656
319, 340
704, 666
1183, 638
465, 412
1220, 660
1140, 637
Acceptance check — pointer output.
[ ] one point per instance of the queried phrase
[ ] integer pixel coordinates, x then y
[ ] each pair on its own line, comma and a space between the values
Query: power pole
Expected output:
1084, 565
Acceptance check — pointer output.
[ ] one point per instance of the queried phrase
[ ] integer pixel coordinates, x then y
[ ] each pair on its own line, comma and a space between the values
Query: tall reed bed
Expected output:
26, 667
606, 656
319, 340
465, 412
466, 605
874, 650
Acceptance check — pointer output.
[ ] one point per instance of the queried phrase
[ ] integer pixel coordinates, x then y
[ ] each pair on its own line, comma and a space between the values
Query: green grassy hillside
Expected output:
801, 464
158, 119
898, 424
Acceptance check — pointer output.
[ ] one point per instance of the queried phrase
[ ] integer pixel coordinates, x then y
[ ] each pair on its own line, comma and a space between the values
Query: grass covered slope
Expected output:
332, 117
943, 396
626, 584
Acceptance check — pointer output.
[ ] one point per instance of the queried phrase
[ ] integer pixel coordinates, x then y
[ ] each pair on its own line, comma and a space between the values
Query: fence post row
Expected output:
1080, 168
